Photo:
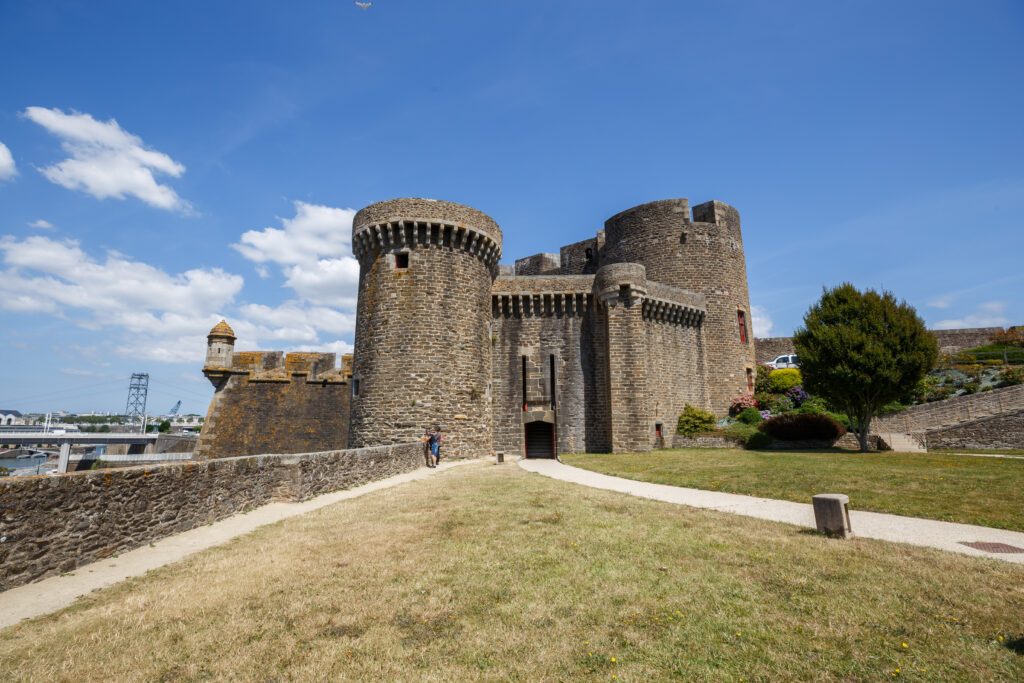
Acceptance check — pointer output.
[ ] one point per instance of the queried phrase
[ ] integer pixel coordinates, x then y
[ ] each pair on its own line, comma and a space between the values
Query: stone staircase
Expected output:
902, 443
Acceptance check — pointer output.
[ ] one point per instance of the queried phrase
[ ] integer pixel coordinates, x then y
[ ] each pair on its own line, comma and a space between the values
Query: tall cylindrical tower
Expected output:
702, 252
422, 349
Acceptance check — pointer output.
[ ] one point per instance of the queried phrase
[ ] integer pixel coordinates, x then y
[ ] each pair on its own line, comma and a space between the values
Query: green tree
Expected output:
862, 350
165, 426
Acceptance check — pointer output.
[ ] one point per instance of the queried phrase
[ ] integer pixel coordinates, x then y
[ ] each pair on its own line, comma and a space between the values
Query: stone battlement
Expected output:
277, 366
402, 224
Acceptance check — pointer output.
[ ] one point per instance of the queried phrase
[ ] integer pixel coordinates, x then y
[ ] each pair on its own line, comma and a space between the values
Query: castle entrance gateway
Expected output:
539, 434
540, 440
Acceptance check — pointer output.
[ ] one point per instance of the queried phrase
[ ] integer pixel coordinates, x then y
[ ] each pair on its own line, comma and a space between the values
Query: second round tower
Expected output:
422, 344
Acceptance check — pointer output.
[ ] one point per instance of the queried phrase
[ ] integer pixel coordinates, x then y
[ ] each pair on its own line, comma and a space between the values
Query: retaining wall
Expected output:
1000, 431
52, 524
952, 411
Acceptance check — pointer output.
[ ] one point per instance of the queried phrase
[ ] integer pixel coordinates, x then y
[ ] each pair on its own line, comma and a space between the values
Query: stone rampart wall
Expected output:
950, 341
1001, 431
952, 411
291, 414
538, 264
770, 348
52, 524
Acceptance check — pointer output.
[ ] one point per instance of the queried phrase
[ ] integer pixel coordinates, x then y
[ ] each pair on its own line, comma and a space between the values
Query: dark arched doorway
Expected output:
540, 439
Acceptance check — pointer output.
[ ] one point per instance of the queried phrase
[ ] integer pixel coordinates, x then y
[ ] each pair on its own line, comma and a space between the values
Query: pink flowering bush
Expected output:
741, 403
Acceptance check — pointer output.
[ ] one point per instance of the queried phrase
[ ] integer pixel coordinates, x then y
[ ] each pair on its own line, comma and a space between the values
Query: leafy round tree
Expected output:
862, 350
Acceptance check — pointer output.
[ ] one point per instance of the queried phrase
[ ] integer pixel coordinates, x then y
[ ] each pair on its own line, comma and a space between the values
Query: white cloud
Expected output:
988, 314
944, 301
313, 250
314, 232
41, 225
155, 311
8, 169
106, 160
761, 322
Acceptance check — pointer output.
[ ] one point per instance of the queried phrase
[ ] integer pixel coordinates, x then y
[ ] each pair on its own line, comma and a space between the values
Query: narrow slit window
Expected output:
402, 261
355, 386
524, 382
741, 319
551, 361
750, 380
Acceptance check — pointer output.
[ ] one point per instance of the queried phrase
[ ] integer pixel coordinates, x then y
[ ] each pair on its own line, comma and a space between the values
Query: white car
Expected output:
787, 361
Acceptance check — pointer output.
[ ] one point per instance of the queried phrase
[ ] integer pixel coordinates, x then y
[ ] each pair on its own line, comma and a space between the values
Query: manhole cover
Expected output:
993, 547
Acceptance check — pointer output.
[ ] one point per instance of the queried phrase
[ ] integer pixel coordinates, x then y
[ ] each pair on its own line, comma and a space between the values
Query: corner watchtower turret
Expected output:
422, 349
220, 346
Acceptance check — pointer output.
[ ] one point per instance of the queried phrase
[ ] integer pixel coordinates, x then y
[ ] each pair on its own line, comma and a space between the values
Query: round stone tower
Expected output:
422, 347
702, 252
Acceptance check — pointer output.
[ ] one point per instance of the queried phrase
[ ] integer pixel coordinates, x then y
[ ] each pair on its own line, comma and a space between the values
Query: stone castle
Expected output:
597, 348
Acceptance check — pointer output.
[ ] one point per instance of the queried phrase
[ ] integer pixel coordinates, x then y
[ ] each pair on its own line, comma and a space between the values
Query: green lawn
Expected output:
489, 573
956, 488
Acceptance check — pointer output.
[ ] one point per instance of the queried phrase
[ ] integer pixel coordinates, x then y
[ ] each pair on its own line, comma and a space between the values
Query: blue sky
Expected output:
165, 164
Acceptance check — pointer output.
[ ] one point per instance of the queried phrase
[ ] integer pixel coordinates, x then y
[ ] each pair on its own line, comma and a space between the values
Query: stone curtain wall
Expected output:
950, 341
290, 414
770, 348
422, 353
1001, 431
952, 411
52, 524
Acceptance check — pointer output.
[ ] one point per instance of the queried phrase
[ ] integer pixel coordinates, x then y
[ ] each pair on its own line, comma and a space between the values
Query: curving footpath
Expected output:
898, 529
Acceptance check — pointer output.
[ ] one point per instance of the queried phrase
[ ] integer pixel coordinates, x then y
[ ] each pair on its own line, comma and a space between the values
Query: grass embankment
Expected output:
955, 488
488, 572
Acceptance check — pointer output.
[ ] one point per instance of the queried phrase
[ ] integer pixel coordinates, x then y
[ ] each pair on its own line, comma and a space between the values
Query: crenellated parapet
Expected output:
543, 295
403, 224
278, 366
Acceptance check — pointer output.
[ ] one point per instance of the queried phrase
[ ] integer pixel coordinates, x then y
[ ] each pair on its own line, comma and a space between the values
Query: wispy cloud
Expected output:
988, 314
8, 169
107, 161
41, 225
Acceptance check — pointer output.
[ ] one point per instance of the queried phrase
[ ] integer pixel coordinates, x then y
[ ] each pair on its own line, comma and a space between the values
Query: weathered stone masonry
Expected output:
269, 402
54, 524
596, 348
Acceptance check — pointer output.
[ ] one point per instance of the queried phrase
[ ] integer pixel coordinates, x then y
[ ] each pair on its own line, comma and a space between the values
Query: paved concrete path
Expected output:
57, 592
913, 530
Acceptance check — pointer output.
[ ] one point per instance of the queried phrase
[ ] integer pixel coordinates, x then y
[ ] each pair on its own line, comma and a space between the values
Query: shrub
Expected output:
1013, 336
761, 379
1010, 377
740, 432
781, 381
741, 403
779, 405
813, 406
750, 416
803, 427
797, 395
758, 440
693, 421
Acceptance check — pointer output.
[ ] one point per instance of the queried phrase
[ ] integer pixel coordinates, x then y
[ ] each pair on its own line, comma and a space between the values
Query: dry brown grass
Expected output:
487, 572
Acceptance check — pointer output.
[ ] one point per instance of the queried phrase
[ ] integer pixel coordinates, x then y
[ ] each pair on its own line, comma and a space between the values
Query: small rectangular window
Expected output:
657, 429
750, 380
355, 387
401, 261
524, 383
552, 371
741, 318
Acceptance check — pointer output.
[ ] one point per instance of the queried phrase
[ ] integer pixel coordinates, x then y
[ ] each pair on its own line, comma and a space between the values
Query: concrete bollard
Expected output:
499, 457
832, 514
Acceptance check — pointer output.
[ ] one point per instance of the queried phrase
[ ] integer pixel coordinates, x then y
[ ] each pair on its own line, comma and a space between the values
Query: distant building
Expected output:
11, 417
